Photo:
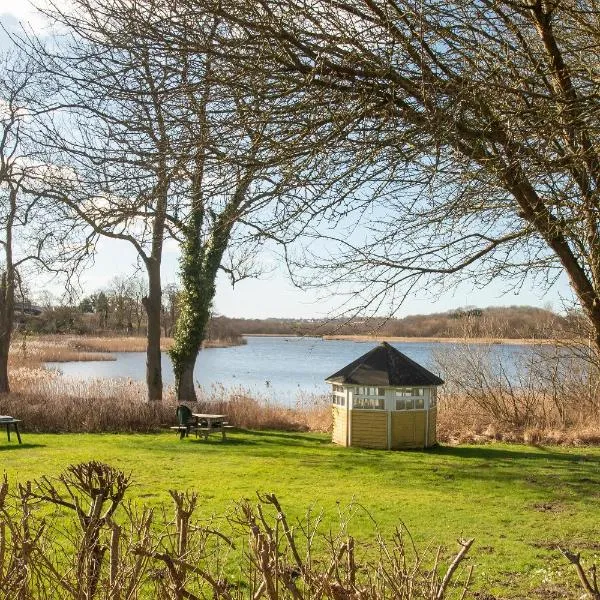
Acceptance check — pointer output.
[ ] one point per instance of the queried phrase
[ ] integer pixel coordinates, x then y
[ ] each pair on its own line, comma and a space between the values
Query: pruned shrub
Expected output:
75, 537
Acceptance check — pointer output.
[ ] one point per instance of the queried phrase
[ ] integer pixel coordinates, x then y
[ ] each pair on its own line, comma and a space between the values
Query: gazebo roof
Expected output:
386, 366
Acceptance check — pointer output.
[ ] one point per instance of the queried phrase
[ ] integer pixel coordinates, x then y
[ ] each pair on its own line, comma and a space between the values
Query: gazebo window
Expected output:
405, 404
410, 392
410, 399
368, 397
338, 400
369, 403
370, 391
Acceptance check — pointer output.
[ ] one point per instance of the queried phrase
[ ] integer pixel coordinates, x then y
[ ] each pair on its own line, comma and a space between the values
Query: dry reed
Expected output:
66, 348
463, 421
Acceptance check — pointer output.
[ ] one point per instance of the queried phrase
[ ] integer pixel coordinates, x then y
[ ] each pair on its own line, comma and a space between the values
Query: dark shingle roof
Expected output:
386, 366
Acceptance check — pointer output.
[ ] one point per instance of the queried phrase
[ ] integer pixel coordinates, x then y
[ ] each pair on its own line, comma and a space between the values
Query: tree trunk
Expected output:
189, 335
185, 380
152, 304
4, 345
7, 314
7, 295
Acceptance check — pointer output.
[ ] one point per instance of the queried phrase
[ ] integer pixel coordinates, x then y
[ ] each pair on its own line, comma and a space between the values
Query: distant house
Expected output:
384, 400
26, 308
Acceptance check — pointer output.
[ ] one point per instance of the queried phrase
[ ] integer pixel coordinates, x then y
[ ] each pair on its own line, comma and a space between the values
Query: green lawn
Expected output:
518, 502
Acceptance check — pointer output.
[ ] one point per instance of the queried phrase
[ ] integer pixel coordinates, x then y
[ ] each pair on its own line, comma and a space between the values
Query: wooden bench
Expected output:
206, 431
8, 421
183, 430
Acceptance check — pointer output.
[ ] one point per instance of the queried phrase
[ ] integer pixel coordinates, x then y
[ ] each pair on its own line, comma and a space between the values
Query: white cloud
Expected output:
15, 14
22, 11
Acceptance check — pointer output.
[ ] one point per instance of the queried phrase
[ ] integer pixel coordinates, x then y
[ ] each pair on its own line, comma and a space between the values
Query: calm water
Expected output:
277, 367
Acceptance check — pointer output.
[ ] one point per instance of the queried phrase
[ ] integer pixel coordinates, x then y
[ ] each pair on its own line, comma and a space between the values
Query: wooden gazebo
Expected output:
384, 400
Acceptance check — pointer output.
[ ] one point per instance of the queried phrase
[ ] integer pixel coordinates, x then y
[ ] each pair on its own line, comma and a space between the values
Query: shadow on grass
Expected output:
294, 438
217, 441
493, 453
23, 446
563, 476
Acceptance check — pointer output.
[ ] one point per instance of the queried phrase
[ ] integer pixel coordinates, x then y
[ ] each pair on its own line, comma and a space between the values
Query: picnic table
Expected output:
207, 423
8, 421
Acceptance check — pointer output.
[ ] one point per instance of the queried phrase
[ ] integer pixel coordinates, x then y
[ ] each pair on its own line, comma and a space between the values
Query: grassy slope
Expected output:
516, 501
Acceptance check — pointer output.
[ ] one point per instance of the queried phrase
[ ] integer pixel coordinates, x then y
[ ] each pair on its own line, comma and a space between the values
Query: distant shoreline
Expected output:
441, 340
408, 339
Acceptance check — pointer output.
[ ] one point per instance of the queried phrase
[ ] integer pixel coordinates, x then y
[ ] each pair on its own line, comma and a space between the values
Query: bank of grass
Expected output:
518, 502
484, 340
66, 348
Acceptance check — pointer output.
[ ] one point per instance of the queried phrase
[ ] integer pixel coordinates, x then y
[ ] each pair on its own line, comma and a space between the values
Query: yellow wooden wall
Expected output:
340, 426
368, 428
432, 426
408, 429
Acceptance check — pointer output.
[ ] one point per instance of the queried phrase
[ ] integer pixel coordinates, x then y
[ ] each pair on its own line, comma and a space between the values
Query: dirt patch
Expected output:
572, 544
554, 592
553, 507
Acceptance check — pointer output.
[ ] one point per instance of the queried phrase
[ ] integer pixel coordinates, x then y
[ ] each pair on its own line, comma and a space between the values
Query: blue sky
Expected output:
272, 294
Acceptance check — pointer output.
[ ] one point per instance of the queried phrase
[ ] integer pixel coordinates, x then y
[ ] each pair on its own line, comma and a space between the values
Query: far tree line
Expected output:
118, 311
381, 146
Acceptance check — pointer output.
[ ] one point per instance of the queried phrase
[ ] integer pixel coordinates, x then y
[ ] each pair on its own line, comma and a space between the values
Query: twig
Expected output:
457, 560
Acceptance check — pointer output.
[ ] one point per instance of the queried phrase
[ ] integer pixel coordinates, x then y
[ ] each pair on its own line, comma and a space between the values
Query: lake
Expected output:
280, 368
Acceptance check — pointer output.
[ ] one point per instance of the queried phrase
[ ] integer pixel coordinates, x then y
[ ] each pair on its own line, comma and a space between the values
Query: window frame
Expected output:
371, 399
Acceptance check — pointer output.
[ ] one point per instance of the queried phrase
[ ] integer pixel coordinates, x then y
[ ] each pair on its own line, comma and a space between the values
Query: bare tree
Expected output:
479, 123
113, 130
189, 133
34, 234
232, 174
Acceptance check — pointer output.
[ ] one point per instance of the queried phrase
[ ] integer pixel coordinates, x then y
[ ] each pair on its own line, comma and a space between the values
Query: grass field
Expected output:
518, 502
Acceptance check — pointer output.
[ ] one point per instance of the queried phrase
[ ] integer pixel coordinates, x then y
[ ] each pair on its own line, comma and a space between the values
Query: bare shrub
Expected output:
99, 547
548, 393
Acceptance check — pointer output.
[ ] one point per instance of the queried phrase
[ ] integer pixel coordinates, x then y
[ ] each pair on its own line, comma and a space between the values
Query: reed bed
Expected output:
35, 351
67, 348
310, 412
115, 344
50, 402
133, 344
462, 420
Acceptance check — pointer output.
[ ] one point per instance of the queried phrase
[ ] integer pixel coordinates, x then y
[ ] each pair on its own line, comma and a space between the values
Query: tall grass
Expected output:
553, 396
47, 401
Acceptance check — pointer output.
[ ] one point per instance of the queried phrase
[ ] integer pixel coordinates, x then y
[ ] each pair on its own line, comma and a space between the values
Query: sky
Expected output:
273, 294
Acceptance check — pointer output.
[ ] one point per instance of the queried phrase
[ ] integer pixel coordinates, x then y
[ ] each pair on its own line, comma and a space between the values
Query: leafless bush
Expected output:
545, 392
99, 547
